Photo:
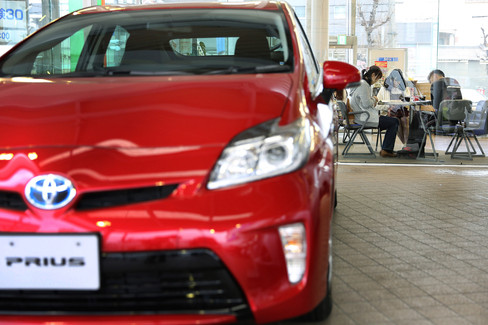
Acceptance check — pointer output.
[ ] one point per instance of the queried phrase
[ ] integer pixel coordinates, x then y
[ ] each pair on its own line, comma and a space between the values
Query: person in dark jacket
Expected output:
442, 87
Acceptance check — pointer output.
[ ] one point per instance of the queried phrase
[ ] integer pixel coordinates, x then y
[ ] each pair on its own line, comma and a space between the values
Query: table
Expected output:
404, 103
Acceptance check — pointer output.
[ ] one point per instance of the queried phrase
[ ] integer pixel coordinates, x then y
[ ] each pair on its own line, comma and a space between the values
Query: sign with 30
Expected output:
13, 26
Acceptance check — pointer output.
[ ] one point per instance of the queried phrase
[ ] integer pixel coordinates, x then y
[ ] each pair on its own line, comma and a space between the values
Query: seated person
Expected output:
442, 88
395, 88
360, 100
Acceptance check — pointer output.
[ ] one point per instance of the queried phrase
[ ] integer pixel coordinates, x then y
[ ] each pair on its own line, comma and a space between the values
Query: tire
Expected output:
321, 311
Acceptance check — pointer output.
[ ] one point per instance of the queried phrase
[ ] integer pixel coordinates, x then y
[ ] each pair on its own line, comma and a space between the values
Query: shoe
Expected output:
386, 154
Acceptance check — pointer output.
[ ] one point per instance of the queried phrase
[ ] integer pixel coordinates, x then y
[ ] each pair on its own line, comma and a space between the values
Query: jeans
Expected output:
390, 124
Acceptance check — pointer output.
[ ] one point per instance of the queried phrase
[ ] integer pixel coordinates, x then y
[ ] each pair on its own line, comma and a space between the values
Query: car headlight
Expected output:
251, 157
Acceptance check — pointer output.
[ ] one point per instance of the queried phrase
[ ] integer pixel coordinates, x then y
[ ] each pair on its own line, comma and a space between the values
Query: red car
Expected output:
167, 164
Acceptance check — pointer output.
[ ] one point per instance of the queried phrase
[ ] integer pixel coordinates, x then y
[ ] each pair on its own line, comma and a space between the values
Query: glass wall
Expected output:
418, 36
19, 18
449, 35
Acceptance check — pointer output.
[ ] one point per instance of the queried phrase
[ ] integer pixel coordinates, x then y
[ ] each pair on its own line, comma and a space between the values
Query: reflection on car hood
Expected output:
137, 112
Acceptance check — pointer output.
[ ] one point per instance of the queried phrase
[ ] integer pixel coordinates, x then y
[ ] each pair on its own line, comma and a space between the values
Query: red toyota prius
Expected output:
167, 164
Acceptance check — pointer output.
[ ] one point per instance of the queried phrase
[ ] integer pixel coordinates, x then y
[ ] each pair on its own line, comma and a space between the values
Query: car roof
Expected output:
256, 5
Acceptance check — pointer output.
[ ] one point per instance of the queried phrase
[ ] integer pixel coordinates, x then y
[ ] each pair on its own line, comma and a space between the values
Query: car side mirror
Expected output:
338, 76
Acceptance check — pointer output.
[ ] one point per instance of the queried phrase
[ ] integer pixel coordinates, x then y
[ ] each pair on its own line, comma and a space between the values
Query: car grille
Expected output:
99, 199
190, 281
12, 201
105, 199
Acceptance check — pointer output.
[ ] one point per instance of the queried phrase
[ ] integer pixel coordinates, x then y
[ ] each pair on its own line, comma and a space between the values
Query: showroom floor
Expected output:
410, 245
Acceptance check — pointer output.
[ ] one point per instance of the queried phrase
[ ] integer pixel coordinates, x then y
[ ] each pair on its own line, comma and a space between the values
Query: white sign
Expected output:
13, 26
49, 262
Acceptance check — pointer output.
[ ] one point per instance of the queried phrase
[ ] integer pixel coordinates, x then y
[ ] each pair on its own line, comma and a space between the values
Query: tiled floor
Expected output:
410, 245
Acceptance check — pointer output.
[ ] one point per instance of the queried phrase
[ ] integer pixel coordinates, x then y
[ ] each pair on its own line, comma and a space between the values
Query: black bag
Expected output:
415, 136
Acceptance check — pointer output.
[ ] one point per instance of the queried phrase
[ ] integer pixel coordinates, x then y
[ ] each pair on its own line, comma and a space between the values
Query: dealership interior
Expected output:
410, 232
410, 238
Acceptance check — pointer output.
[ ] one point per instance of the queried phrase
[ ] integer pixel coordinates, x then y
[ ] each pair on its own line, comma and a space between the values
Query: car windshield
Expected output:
155, 42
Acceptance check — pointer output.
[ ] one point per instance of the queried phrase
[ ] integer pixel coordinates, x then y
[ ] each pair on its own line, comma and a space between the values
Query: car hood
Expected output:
126, 132
137, 112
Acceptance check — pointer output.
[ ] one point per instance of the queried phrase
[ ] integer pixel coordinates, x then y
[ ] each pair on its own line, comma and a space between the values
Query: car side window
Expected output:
311, 65
63, 57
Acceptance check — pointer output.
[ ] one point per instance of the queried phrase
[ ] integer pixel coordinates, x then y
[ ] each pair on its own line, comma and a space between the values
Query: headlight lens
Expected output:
284, 150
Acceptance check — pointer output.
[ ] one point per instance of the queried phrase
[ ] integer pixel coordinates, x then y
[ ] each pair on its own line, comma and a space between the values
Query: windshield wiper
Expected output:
148, 73
259, 69
123, 72
272, 68
101, 73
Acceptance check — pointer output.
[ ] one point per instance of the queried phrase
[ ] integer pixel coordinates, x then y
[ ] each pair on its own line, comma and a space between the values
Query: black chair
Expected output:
353, 130
427, 122
346, 132
451, 119
478, 119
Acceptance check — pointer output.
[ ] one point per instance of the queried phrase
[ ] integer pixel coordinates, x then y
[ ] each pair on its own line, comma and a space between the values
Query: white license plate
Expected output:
49, 262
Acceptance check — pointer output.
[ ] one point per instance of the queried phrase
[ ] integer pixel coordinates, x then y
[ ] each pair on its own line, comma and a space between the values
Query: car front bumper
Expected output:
215, 254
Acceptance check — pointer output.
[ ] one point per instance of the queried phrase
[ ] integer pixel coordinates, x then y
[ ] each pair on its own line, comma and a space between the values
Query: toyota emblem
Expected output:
49, 192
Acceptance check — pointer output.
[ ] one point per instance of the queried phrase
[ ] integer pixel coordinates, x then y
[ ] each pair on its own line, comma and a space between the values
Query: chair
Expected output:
428, 122
477, 120
453, 88
253, 45
340, 119
451, 119
346, 134
353, 130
